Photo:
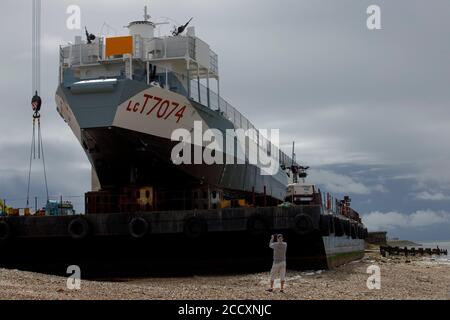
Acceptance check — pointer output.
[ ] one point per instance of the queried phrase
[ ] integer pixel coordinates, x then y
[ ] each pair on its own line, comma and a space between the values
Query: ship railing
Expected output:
84, 54
160, 48
81, 54
215, 102
171, 47
183, 47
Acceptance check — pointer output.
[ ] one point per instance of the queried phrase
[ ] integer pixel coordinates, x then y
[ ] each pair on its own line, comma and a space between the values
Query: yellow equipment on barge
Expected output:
7, 211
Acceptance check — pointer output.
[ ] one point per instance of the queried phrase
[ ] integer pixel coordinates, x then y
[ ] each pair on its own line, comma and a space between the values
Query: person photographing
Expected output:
279, 248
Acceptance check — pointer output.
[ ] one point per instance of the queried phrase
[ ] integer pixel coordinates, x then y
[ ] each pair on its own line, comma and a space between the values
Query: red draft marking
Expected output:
173, 110
180, 114
165, 104
166, 108
147, 97
129, 105
158, 101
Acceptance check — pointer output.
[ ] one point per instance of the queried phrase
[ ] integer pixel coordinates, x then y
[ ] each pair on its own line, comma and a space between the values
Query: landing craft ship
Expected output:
123, 98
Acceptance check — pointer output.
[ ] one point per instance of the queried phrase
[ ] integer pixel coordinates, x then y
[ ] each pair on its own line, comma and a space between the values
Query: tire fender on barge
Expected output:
195, 227
139, 228
79, 229
303, 224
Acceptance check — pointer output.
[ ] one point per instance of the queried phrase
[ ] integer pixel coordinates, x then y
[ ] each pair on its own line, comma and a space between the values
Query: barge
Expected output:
179, 242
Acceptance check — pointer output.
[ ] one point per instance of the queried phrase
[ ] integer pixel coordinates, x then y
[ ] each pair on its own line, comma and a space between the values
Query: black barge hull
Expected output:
172, 243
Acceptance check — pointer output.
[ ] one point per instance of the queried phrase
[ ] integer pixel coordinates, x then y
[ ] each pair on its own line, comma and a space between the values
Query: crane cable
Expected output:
36, 44
36, 101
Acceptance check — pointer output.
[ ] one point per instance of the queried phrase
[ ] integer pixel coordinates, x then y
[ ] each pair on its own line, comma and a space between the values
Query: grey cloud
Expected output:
438, 196
424, 223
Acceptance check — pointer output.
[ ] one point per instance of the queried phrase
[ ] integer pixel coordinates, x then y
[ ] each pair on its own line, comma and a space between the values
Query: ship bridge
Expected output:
182, 63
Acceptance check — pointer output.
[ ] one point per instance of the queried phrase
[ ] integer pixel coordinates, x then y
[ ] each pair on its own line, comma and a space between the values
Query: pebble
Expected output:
432, 281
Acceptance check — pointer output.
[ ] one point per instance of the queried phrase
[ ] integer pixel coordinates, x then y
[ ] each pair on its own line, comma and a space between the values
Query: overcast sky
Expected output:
369, 110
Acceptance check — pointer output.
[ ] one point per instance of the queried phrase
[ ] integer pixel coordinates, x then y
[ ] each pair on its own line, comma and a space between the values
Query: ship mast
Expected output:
294, 167
297, 170
146, 15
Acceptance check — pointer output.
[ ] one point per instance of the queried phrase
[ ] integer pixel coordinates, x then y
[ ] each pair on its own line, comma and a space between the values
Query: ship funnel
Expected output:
144, 28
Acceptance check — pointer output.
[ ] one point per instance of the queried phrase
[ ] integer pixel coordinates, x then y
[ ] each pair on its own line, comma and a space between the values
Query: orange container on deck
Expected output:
119, 46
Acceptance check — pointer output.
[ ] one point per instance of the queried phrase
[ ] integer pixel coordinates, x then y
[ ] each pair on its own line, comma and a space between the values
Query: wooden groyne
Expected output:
396, 251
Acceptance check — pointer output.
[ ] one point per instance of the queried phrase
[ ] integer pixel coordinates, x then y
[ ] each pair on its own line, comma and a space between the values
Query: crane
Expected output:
36, 101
